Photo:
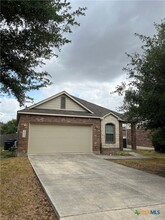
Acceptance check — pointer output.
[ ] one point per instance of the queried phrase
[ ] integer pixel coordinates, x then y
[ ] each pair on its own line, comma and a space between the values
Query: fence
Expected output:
5, 137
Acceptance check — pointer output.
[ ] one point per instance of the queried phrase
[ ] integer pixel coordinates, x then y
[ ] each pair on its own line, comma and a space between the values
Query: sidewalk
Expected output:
133, 155
139, 148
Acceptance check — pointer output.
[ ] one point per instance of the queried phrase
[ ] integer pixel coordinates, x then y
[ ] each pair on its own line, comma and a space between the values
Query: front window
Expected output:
110, 133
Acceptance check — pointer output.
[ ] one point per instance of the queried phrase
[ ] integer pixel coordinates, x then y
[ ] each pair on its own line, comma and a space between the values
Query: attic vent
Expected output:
63, 102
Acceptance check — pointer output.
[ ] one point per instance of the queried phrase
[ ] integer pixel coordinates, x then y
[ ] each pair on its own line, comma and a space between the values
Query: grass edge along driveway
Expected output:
155, 163
21, 194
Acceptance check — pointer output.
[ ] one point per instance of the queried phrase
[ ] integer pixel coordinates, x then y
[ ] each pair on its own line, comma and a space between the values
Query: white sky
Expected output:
91, 66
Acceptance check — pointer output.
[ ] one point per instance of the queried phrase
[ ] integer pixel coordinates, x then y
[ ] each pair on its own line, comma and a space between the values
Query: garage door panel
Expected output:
47, 139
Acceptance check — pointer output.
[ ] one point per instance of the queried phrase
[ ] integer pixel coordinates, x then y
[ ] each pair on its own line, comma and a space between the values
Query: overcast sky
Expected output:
91, 66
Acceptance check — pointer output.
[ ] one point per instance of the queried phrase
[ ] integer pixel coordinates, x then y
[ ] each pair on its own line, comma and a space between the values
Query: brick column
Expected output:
120, 135
133, 136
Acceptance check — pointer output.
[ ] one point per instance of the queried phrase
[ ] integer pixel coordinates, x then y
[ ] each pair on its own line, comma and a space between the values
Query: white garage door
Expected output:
48, 139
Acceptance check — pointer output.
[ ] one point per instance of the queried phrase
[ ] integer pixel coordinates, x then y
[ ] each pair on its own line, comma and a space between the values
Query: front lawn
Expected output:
22, 197
155, 163
151, 153
6, 153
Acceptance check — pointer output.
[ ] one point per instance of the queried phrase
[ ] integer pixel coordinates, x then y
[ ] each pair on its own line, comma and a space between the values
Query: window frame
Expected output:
114, 138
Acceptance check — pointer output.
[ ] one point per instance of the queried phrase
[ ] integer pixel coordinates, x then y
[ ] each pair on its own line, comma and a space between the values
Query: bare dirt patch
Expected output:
22, 197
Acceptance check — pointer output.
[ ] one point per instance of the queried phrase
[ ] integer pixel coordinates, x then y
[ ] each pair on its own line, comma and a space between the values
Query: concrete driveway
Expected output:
85, 187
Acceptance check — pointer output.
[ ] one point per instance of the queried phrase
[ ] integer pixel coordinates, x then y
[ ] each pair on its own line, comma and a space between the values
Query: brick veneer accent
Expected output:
108, 151
142, 138
25, 120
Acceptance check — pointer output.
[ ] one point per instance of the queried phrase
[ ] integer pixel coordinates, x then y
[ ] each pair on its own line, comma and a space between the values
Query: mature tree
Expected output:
30, 32
9, 127
144, 100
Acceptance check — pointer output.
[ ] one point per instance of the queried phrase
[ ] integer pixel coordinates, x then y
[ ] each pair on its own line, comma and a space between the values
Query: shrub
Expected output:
158, 140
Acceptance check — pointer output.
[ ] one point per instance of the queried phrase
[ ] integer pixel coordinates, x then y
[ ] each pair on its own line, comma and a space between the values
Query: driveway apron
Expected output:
84, 186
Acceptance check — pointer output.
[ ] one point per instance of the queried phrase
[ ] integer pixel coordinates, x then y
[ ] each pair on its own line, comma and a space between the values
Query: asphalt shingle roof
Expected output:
98, 111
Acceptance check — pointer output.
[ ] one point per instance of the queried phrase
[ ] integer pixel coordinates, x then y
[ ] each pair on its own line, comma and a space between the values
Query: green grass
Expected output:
6, 153
120, 153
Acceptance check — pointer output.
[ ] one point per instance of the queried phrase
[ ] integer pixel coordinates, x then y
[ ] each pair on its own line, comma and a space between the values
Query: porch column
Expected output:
120, 135
133, 136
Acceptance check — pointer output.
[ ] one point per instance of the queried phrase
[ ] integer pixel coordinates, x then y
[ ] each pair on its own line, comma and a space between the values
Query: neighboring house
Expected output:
64, 123
142, 138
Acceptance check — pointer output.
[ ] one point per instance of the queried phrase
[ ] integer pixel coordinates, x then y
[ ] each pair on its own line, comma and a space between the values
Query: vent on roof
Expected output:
63, 102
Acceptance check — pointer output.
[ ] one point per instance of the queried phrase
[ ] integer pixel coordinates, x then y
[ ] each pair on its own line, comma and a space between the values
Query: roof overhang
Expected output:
57, 115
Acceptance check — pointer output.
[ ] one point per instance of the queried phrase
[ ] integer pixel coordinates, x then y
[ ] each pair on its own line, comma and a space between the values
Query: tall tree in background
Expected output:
30, 31
144, 100
9, 127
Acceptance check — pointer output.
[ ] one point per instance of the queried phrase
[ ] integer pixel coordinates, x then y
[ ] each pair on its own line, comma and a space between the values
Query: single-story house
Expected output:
65, 123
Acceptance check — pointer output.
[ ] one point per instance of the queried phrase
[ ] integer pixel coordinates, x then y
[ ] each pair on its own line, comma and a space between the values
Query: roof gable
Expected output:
54, 103
111, 113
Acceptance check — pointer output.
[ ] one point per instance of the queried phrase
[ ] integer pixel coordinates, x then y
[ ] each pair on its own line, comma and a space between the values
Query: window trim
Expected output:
114, 141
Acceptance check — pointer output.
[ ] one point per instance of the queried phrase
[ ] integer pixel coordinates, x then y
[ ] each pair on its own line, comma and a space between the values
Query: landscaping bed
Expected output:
119, 153
22, 197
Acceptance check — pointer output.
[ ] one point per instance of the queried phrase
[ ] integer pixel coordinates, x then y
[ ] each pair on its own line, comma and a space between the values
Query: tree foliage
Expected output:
158, 139
144, 100
30, 32
9, 127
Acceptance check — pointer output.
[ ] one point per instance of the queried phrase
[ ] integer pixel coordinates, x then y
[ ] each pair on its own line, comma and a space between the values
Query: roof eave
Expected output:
51, 114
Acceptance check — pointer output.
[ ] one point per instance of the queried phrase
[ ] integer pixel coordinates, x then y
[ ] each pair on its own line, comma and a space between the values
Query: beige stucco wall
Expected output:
110, 119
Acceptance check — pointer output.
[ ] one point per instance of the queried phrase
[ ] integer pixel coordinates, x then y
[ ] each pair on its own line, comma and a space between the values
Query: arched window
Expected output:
110, 133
